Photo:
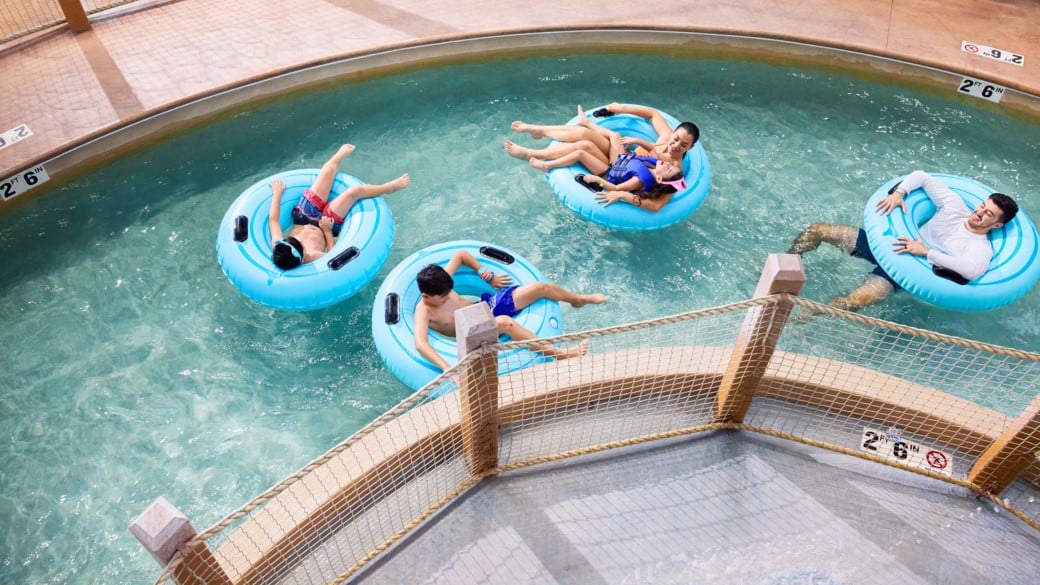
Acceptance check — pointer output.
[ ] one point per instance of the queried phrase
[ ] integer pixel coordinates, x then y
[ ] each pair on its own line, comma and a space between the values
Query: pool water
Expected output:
132, 369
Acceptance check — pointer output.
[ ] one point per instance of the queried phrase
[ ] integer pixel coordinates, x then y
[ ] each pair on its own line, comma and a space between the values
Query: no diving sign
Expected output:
993, 53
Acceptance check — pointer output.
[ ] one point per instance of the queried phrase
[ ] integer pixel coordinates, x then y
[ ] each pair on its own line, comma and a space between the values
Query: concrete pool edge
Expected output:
190, 112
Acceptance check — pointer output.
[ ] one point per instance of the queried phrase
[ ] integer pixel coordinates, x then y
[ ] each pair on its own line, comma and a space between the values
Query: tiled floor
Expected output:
69, 89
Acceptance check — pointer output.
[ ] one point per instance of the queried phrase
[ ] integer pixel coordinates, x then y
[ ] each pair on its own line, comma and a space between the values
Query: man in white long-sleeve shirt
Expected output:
957, 236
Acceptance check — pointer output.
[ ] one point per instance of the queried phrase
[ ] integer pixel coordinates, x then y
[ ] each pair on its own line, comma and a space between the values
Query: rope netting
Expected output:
20, 18
948, 408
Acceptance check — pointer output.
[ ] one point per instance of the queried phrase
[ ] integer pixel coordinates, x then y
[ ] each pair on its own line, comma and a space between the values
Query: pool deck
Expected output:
150, 56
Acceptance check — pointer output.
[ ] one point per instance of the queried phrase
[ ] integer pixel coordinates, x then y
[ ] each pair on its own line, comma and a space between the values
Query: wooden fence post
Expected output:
75, 15
164, 531
757, 337
476, 329
1010, 455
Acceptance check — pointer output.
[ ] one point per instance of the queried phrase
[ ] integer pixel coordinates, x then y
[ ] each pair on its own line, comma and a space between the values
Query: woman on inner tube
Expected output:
643, 181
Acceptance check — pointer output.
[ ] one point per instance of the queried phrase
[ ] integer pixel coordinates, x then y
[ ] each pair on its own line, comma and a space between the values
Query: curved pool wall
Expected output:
190, 113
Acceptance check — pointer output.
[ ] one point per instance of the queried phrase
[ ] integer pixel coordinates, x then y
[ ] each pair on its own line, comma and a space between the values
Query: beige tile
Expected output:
70, 88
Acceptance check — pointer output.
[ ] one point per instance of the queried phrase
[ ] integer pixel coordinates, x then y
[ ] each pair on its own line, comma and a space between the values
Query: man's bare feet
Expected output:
516, 151
583, 120
593, 299
842, 303
531, 129
398, 183
345, 150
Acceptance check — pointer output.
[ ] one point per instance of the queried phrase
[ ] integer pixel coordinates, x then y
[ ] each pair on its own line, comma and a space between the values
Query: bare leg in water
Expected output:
586, 143
874, 288
526, 294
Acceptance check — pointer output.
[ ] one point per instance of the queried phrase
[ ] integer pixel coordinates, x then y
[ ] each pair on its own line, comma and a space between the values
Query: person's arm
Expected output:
464, 258
892, 201
970, 262
609, 197
934, 188
655, 204
654, 116
422, 339
646, 145
634, 184
275, 215
325, 223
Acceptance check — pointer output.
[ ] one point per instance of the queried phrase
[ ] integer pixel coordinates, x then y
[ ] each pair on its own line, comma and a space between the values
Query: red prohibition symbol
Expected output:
936, 459
971, 48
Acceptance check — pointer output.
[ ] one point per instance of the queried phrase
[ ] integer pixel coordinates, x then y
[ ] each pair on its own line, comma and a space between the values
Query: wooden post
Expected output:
476, 329
1010, 455
75, 15
757, 338
163, 531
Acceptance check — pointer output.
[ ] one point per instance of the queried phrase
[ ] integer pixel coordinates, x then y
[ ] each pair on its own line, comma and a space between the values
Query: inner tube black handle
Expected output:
500, 255
392, 309
343, 257
241, 228
949, 274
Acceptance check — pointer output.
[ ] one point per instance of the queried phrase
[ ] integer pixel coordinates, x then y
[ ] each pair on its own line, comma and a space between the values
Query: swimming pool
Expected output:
133, 369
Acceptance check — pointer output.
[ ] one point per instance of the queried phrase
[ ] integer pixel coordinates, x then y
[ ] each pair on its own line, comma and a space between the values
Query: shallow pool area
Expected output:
135, 370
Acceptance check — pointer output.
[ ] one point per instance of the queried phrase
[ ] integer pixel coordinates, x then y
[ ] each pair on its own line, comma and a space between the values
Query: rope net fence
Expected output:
20, 18
961, 412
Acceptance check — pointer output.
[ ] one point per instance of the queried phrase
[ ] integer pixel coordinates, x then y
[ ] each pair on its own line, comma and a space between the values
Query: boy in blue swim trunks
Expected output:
316, 221
436, 309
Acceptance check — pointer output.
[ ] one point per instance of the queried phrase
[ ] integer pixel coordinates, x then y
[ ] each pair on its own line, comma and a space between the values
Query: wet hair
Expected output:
691, 129
434, 281
1007, 205
658, 190
282, 254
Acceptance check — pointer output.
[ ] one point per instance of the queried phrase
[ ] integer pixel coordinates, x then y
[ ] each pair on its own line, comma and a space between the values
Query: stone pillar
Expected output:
756, 341
164, 531
475, 330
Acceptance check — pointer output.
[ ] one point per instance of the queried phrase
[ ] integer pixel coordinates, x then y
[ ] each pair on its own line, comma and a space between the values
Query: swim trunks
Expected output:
501, 302
310, 209
863, 251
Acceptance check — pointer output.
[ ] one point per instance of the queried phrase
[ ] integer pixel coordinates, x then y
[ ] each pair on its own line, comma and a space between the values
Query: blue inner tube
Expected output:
1013, 270
244, 246
393, 313
623, 216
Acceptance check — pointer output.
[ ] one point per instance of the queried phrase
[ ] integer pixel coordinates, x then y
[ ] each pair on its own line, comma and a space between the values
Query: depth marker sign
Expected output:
890, 445
22, 182
992, 53
15, 134
981, 89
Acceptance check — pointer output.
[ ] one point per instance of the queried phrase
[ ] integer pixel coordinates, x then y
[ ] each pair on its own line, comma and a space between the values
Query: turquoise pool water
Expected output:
133, 369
